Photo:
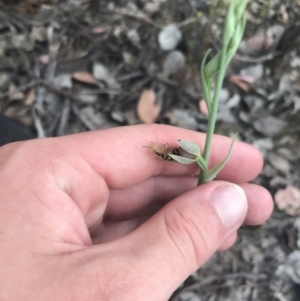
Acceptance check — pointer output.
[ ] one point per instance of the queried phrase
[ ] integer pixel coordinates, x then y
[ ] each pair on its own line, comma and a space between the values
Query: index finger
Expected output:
118, 155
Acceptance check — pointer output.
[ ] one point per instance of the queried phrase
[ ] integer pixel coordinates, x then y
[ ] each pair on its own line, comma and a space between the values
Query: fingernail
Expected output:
230, 203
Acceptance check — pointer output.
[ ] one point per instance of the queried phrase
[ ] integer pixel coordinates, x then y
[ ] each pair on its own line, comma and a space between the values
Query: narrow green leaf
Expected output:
182, 160
211, 174
190, 147
205, 85
203, 63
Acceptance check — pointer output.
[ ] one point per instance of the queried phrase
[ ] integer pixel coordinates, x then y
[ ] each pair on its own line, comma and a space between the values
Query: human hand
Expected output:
95, 216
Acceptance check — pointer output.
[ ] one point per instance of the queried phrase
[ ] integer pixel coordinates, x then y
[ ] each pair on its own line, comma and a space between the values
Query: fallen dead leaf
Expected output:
203, 107
147, 109
44, 59
84, 77
262, 40
284, 13
38, 33
98, 29
28, 9
30, 97
239, 81
14, 93
288, 200
20, 113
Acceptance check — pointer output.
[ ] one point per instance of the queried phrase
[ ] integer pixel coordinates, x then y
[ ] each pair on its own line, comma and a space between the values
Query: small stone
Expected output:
233, 101
254, 103
93, 119
296, 104
133, 36
85, 96
3, 46
131, 117
279, 163
169, 37
128, 58
290, 267
269, 171
100, 72
224, 95
297, 227
63, 81
295, 62
38, 33
286, 86
276, 181
245, 117
23, 41
118, 116
252, 254
263, 145
4, 77
255, 71
189, 296
269, 126
174, 62
225, 114
182, 118
152, 7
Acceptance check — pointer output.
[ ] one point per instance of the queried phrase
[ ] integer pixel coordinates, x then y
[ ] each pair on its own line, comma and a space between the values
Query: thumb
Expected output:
185, 233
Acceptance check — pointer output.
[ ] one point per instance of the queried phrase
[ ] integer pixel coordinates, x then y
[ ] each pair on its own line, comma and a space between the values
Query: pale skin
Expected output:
95, 216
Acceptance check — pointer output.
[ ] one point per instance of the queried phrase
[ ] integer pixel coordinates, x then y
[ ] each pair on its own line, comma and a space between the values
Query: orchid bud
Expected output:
213, 66
236, 39
240, 7
230, 24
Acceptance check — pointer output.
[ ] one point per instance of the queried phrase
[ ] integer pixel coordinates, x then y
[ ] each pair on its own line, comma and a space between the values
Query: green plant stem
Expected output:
214, 112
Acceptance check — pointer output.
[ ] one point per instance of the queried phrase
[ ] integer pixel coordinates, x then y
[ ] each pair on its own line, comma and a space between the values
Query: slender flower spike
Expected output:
235, 19
212, 77
214, 72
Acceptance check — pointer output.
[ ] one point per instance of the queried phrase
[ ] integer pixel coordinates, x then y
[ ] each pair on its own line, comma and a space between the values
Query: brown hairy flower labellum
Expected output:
163, 151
